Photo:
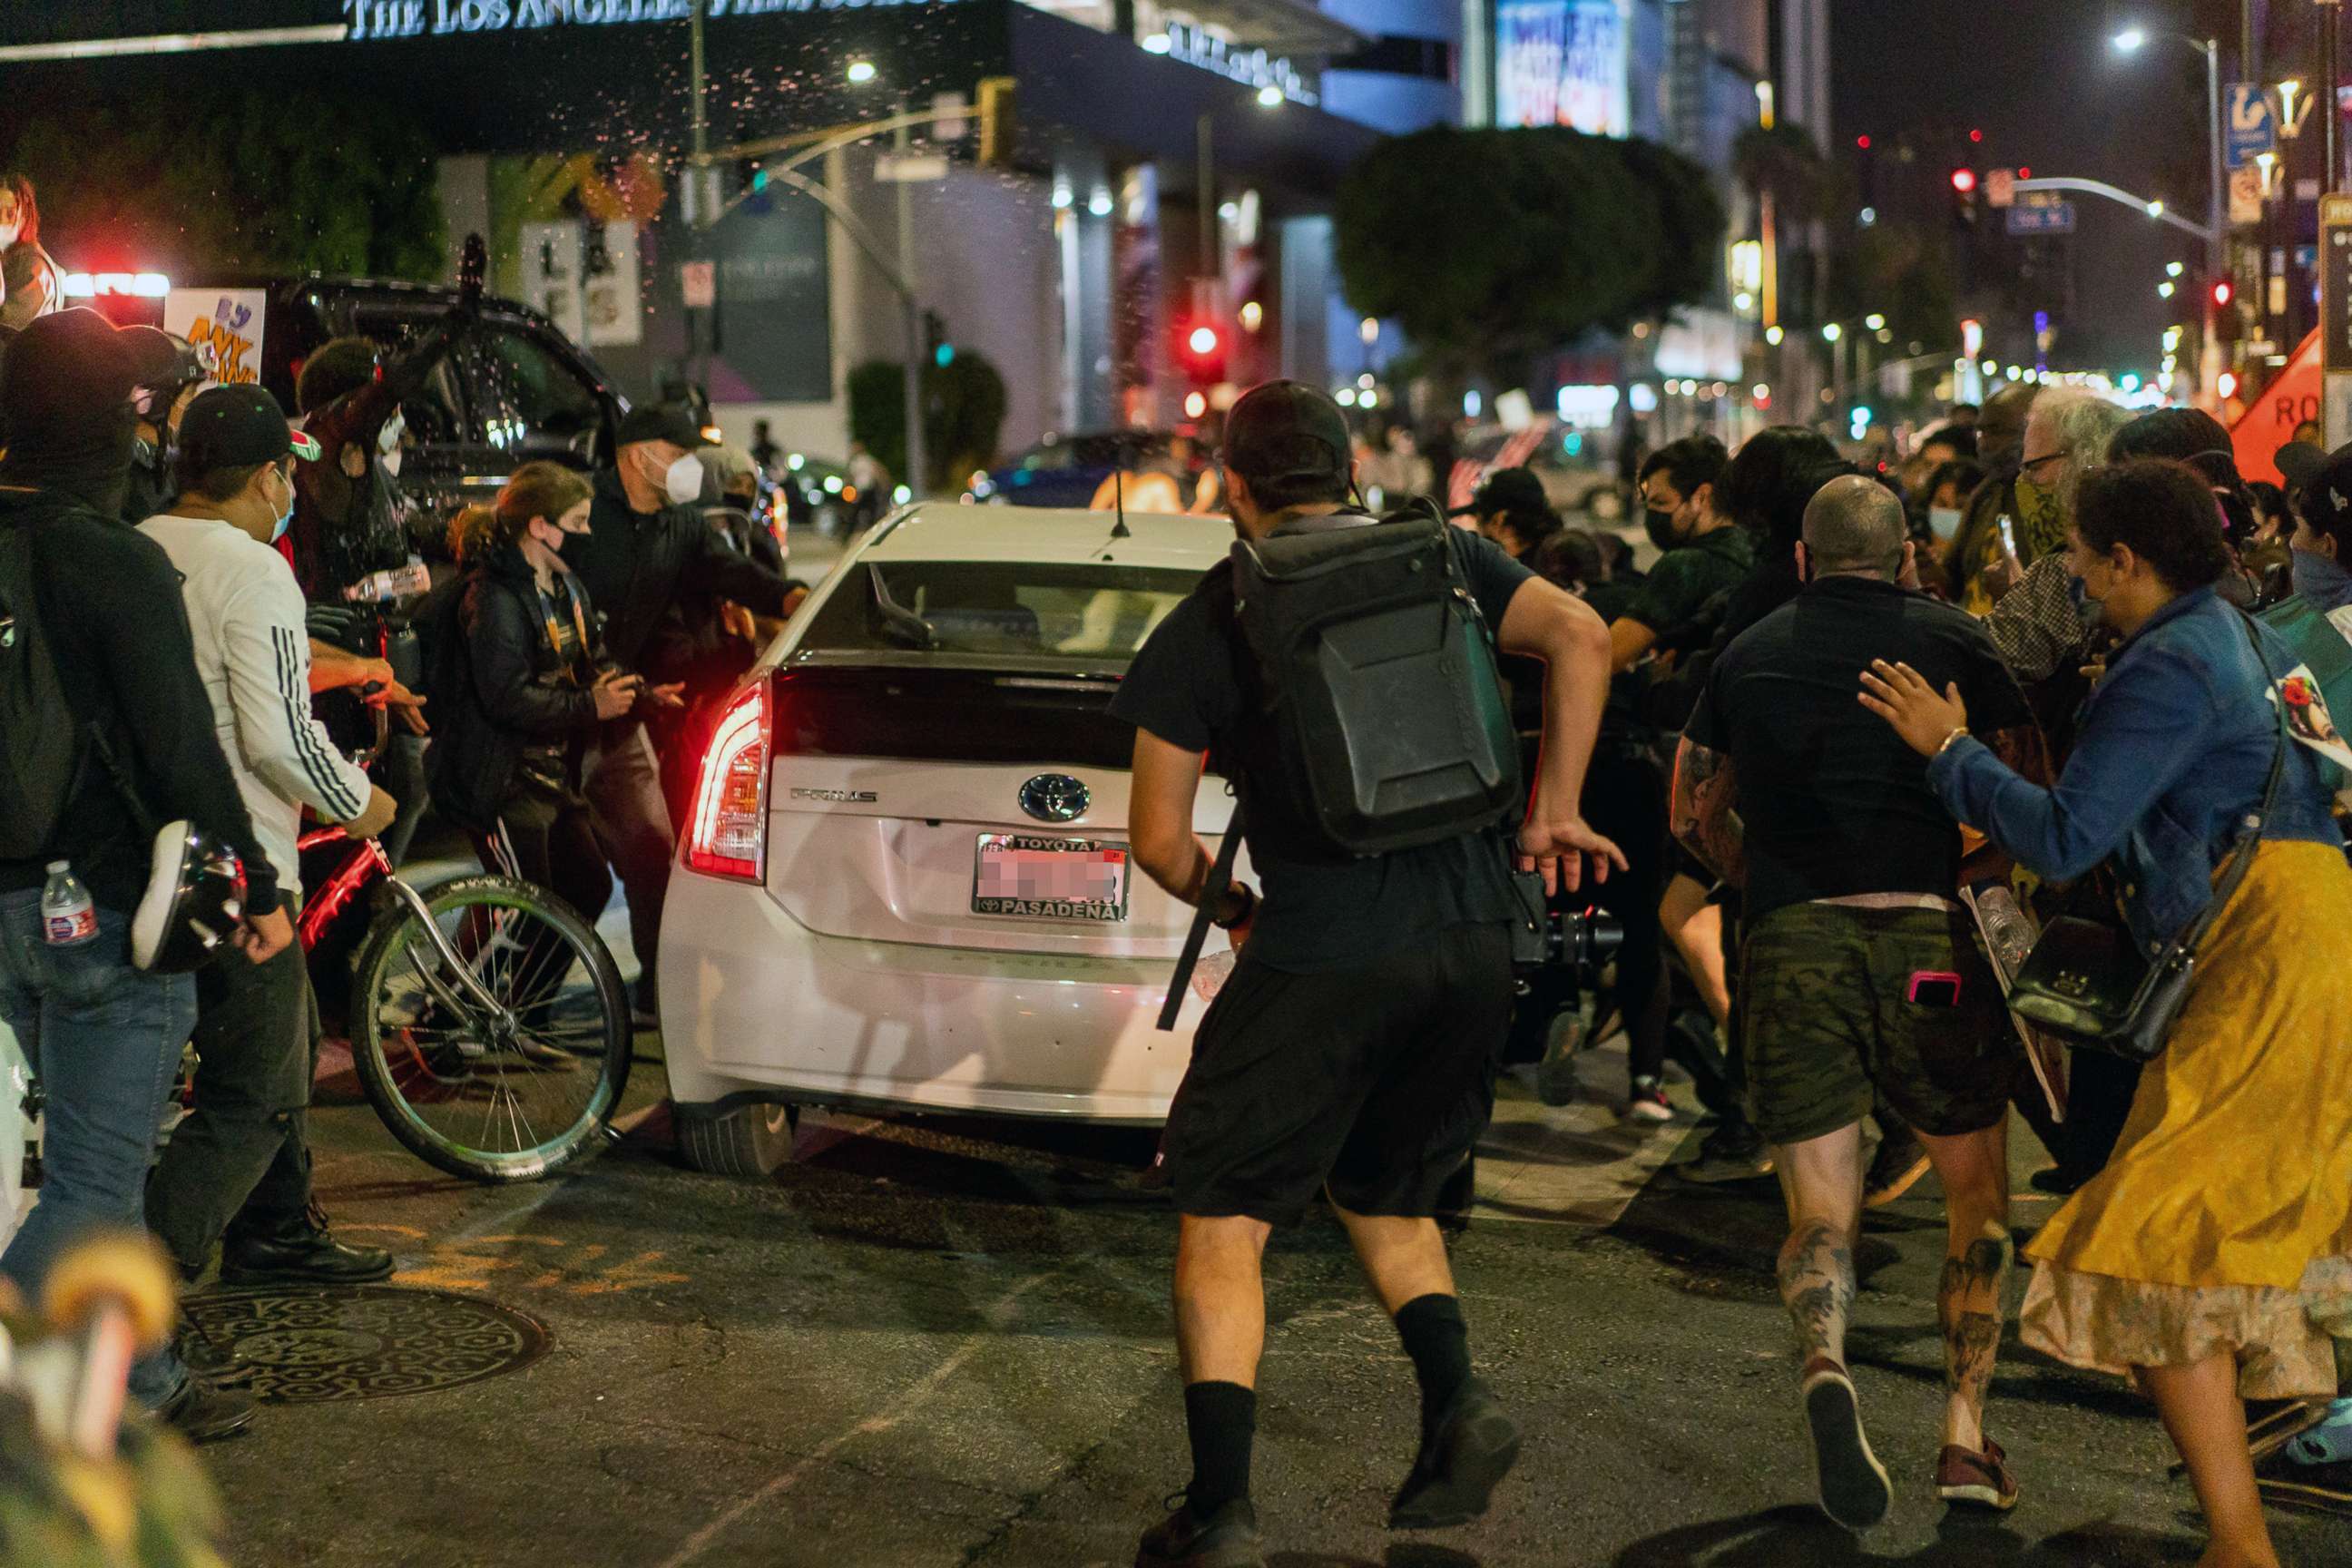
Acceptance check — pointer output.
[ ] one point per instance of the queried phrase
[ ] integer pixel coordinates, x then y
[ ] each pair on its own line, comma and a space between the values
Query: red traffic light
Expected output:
1863, 142
1964, 181
1201, 340
1976, 135
2222, 292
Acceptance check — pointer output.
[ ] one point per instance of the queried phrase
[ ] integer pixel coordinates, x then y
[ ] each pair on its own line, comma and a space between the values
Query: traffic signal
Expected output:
2222, 294
1201, 348
1964, 196
996, 122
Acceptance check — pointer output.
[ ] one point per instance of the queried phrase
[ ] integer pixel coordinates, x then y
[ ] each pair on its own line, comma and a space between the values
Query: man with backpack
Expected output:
1342, 674
109, 732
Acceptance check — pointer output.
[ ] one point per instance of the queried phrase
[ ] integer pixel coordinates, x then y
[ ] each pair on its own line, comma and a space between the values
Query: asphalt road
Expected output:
946, 1345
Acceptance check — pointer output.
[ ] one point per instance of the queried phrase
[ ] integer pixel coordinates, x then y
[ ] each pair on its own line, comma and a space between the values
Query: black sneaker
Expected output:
1847, 1477
204, 1413
1895, 1169
1459, 1464
1734, 1152
303, 1254
1226, 1539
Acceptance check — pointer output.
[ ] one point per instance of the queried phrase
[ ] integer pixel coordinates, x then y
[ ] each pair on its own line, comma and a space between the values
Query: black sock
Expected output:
1222, 1418
1438, 1340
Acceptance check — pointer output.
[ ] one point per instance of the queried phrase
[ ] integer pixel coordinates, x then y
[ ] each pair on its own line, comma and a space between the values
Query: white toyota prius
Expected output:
905, 880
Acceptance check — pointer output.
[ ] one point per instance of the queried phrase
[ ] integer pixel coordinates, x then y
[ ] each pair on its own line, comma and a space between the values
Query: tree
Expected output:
236, 178
963, 411
1489, 247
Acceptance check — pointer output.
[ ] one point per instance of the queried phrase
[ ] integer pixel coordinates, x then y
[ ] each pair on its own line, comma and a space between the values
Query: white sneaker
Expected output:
1649, 1102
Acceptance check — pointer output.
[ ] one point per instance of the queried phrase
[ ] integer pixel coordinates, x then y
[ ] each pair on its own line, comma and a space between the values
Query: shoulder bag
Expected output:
2085, 980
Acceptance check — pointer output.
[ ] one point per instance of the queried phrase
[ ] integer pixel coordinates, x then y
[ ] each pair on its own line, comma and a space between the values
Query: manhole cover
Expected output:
365, 1343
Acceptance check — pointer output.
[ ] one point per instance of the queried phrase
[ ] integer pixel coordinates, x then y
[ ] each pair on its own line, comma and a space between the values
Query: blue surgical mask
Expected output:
2322, 580
285, 519
1944, 521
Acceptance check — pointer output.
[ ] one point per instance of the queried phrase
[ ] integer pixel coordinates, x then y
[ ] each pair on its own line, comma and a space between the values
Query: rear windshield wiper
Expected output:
900, 624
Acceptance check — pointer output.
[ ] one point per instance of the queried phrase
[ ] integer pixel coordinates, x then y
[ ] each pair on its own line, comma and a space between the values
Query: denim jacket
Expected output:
2171, 757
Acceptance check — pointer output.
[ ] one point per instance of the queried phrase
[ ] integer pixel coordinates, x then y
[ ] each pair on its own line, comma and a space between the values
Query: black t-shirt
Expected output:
1318, 915
1831, 801
1688, 576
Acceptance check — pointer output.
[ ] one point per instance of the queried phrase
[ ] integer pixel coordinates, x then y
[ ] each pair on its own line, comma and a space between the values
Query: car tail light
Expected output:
728, 834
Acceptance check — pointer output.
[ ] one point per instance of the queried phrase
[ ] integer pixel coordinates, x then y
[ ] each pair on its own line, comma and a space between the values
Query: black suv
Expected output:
515, 388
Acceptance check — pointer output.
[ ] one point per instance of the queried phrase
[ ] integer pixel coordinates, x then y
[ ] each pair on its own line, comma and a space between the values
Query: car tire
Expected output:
748, 1142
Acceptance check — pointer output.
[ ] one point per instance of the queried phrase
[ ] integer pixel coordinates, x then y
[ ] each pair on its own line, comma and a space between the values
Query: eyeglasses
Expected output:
2032, 463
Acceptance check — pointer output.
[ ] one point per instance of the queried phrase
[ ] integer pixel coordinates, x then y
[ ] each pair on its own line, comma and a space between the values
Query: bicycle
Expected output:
478, 1012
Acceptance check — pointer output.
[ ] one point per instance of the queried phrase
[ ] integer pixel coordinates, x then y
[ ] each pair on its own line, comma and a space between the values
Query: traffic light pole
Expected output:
917, 464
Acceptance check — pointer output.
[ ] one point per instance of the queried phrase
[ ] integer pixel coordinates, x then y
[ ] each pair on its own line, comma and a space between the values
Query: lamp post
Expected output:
2217, 235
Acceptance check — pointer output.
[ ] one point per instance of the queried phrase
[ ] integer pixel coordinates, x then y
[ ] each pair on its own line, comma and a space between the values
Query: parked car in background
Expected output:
1063, 470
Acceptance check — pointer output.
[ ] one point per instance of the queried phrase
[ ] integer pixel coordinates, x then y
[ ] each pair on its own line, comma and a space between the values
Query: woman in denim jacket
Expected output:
2210, 1257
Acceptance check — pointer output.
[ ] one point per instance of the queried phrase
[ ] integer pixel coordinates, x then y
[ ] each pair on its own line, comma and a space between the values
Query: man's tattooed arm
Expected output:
1706, 810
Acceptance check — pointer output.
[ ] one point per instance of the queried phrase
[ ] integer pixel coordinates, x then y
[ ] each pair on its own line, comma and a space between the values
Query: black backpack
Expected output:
1376, 716
42, 757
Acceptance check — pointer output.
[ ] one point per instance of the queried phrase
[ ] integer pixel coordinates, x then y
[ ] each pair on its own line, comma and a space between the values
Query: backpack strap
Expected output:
1221, 874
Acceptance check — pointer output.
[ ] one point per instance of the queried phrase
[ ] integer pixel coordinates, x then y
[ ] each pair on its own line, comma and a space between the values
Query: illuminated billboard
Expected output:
1562, 62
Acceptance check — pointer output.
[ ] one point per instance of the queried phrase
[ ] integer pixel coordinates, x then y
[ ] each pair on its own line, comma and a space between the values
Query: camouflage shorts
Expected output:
1826, 1013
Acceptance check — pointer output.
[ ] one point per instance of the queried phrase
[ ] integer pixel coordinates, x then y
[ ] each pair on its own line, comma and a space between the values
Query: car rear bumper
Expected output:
756, 1005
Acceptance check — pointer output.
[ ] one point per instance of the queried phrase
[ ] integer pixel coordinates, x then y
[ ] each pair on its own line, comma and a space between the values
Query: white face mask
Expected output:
9, 233
1944, 521
683, 482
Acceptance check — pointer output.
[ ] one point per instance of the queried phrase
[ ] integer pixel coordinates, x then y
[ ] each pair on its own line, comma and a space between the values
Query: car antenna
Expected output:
1119, 529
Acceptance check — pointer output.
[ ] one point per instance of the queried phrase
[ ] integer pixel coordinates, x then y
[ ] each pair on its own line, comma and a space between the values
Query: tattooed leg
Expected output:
1817, 1283
1976, 1256
1821, 1179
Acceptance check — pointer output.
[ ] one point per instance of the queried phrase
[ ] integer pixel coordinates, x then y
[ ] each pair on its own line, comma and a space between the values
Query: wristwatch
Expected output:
1249, 907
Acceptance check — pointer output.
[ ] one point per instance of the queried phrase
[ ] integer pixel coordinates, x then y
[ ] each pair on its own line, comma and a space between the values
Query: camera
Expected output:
1581, 940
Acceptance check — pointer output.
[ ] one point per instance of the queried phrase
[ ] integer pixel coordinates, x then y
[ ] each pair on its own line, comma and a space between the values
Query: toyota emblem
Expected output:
1056, 797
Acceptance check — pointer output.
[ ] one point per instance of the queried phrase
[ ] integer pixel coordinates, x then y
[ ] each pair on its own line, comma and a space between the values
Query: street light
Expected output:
1831, 332
1874, 321
2217, 233
2172, 269
860, 72
2164, 289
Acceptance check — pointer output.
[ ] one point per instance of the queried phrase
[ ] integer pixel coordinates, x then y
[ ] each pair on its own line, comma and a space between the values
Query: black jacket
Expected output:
111, 600
638, 564
501, 688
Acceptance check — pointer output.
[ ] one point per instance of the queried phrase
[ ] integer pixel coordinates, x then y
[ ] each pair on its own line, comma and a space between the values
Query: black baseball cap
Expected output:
2300, 462
70, 365
2322, 491
1505, 489
1285, 429
233, 427
670, 421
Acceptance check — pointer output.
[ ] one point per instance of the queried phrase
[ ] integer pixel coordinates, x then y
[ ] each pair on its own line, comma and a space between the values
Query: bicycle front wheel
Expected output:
508, 1093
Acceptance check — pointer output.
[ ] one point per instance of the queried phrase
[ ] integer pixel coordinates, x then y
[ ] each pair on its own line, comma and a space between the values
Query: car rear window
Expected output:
1096, 613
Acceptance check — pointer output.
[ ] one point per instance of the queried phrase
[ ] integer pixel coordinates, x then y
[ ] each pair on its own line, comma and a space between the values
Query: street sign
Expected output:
2252, 128
910, 168
2053, 217
698, 281
2000, 187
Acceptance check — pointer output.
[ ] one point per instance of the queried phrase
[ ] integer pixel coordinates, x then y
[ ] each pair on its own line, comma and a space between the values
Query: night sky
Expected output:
2038, 77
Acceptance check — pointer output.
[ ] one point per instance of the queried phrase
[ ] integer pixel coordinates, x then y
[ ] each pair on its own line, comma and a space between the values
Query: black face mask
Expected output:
1660, 526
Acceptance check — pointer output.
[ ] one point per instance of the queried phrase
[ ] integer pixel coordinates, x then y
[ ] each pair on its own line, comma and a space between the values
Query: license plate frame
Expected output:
1013, 904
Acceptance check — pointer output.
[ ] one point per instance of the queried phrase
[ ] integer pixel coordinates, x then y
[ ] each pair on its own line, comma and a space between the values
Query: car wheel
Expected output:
748, 1142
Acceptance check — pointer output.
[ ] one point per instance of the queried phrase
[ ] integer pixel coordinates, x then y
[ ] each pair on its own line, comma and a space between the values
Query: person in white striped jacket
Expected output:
237, 1171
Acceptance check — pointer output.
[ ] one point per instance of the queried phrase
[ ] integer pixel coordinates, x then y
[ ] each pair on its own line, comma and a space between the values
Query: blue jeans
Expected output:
105, 1040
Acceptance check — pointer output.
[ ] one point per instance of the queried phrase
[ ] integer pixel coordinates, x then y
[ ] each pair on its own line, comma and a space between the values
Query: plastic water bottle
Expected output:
67, 917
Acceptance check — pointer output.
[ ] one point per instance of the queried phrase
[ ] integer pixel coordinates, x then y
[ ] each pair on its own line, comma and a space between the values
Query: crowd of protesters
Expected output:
183, 574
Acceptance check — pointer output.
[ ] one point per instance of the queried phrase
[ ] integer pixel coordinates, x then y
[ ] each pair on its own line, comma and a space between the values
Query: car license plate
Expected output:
1049, 879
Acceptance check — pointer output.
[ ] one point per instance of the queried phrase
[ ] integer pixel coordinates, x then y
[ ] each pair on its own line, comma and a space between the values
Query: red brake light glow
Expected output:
727, 835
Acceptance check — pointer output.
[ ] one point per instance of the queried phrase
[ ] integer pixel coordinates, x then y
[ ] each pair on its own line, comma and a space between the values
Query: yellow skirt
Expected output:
2235, 1166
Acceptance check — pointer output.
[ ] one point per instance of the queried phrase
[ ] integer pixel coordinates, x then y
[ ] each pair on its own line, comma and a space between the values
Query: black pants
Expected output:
632, 823
553, 844
1625, 800
240, 1162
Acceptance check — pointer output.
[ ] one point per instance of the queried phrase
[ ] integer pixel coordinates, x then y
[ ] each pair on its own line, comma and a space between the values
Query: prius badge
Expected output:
1056, 797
